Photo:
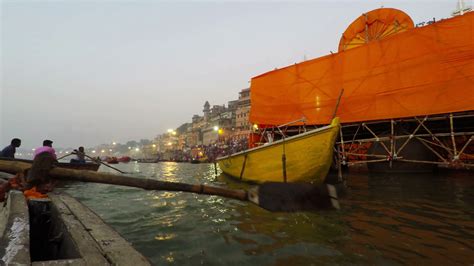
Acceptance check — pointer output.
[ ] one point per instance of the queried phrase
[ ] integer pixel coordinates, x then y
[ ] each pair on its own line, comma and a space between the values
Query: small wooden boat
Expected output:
304, 157
59, 230
124, 159
79, 166
112, 160
147, 160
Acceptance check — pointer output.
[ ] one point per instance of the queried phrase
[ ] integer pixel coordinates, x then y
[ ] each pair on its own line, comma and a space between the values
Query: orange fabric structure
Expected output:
375, 25
422, 71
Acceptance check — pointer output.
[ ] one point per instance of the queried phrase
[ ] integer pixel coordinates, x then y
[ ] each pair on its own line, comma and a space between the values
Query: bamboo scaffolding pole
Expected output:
342, 145
431, 149
465, 145
463, 165
411, 135
430, 118
392, 144
373, 155
377, 138
451, 124
453, 151
437, 145
434, 137
368, 161
302, 119
353, 138
407, 136
337, 157
425, 162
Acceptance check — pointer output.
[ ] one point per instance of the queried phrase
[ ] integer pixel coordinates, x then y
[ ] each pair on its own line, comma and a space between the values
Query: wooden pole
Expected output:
62, 157
272, 196
94, 160
337, 104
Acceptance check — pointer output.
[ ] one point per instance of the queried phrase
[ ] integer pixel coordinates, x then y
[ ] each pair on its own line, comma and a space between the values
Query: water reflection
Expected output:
410, 219
384, 220
162, 237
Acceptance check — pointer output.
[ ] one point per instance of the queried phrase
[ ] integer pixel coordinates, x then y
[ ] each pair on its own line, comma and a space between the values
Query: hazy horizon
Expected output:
84, 73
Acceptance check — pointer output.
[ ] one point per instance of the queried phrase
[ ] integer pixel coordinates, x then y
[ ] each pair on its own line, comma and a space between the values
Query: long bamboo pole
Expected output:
270, 196
94, 160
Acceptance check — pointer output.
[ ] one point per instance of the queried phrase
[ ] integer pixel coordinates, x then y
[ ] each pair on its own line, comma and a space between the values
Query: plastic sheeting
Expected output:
422, 71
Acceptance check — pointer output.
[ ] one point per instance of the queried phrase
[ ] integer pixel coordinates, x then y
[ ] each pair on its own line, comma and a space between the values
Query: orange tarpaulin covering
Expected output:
422, 71
374, 25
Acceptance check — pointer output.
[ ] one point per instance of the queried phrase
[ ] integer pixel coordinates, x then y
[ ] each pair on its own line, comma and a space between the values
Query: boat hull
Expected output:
77, 166
308, 158
59, 230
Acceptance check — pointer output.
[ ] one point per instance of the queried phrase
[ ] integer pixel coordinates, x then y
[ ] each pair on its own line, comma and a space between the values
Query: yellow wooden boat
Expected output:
305, 157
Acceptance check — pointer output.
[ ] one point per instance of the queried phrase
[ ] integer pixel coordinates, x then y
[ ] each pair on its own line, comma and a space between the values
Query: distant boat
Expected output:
307, 157
112, 160
147, 160
124, 159
195, 161
78, 166
199, 160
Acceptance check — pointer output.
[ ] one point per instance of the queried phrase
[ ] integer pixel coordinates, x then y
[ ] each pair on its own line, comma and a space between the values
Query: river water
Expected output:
384, 220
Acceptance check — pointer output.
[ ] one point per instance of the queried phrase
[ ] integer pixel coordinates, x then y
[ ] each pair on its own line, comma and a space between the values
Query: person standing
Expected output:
47, 147
10, 150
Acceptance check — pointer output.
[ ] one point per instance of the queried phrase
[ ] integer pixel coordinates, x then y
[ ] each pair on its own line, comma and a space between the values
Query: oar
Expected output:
62, 157
98, 161
271, 196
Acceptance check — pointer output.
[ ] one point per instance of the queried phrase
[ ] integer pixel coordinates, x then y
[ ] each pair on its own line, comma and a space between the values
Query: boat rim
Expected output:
30, 161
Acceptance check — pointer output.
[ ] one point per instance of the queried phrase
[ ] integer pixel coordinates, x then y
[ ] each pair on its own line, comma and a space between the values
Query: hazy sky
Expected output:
91, 72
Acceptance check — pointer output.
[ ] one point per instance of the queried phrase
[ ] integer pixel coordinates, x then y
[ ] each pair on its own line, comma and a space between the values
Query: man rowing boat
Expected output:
80, 156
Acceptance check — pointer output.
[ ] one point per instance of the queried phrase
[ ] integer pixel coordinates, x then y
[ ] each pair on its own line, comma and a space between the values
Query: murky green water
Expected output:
384, 220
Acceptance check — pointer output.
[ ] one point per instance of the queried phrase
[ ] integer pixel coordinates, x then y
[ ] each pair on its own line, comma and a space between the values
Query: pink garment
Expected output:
45, 149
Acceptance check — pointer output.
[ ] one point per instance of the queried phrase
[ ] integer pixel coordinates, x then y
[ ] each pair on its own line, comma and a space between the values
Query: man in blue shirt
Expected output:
9, 151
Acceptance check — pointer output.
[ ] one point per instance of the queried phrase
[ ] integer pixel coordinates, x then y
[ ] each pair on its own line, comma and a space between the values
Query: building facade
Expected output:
242, 113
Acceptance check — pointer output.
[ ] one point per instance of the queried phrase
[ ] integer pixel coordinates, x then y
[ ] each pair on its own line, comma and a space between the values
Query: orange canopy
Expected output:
422, 71
374, 25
